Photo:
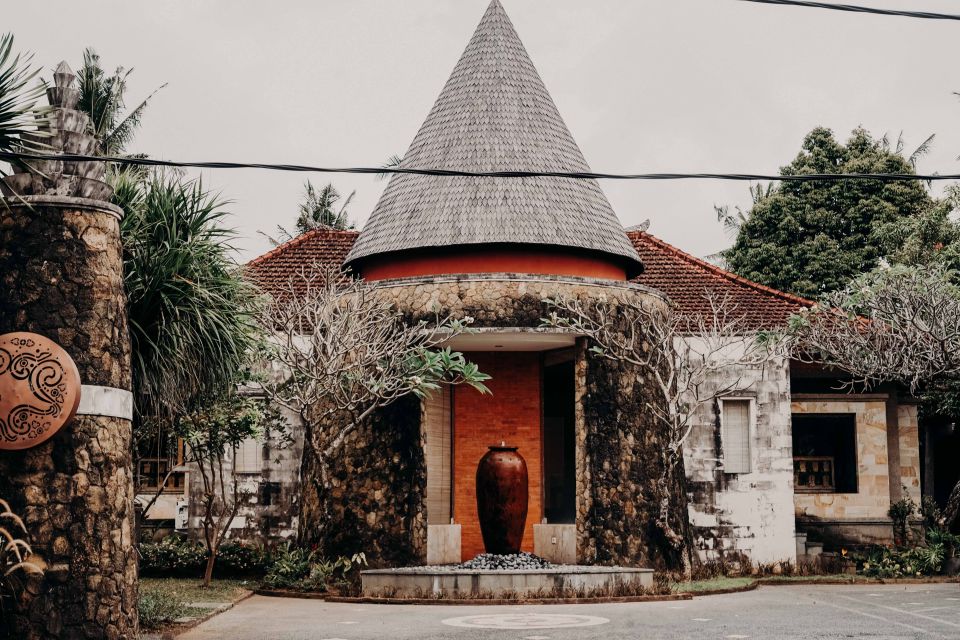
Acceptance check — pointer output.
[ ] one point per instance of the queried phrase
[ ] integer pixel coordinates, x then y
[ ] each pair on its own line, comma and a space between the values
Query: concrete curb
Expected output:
187, 626
502, 601
716, 592
285, 593
776, 582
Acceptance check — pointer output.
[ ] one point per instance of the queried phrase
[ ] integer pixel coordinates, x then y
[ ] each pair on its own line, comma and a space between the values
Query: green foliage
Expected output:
319, 210
930, 237
157, 609
900, 512
884, 562
102, 98
172, 556
19, 97
192, 314
812, 237
220, 425
180, 557
298, 569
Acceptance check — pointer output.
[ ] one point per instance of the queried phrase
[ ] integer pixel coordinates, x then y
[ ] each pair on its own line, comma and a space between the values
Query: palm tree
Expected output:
318, 211
102, 98
191, 312
19, 109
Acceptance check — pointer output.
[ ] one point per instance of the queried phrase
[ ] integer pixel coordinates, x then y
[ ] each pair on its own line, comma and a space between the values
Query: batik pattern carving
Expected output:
39, 390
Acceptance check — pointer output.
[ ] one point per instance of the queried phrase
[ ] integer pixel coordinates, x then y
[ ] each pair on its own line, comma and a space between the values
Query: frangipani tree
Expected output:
687, 356
895, 324
342, 350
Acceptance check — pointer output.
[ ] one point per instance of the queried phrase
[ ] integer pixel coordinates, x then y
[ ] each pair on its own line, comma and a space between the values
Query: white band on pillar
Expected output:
105, 401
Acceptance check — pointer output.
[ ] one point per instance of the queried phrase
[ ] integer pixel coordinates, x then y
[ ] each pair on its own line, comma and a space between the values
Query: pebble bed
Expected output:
510, 562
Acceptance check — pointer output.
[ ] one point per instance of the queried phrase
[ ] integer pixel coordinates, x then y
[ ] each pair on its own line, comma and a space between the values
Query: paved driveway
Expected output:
876, 611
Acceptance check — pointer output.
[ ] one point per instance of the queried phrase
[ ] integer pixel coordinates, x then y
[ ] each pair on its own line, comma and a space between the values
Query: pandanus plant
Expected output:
15, 553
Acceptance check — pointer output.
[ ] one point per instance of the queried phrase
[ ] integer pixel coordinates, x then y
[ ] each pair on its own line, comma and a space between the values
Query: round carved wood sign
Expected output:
39, 390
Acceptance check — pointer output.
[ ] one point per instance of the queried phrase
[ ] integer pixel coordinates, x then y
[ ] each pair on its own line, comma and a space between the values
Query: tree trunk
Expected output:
61, 276
208, 572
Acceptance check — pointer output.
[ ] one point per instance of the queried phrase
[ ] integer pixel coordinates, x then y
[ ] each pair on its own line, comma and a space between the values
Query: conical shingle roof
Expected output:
494, 114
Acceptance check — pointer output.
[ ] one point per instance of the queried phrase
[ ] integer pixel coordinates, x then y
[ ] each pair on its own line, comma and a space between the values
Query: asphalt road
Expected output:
872, 611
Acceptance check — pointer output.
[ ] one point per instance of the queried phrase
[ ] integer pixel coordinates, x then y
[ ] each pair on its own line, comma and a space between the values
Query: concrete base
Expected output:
443, 544
556, 543
413, 582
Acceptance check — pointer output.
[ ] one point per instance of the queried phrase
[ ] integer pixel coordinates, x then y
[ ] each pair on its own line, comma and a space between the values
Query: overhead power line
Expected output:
903, 13
573, 175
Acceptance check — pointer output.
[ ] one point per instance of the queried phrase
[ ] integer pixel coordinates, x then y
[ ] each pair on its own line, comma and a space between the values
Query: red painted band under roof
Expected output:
539, 260
680, 276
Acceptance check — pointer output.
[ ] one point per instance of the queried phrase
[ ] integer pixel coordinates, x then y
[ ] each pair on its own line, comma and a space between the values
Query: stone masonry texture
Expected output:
377, 501
61, 276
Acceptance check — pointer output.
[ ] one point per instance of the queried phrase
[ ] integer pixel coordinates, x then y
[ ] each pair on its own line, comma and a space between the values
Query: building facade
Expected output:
785, 452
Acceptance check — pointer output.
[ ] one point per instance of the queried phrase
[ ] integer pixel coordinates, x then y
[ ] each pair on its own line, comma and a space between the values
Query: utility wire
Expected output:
928, 15
574, 175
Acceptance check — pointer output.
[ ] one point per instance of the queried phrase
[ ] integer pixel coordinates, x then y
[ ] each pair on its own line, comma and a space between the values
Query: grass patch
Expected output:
187, 590
163, 601
712, 584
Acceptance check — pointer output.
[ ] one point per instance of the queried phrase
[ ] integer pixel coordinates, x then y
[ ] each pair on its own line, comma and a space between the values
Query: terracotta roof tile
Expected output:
273, 270
682, 277
686, 280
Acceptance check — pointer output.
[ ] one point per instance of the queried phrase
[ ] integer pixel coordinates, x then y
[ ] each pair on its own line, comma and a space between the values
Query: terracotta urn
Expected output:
502, 499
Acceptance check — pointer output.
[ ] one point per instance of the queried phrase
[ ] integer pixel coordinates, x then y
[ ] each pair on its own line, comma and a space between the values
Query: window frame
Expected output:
244, 471
751, 432
854, 416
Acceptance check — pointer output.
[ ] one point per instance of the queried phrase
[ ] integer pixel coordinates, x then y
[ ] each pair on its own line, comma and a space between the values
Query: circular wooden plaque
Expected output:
39, 390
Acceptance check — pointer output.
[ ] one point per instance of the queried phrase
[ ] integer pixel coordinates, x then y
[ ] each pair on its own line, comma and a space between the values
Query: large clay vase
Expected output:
502, 499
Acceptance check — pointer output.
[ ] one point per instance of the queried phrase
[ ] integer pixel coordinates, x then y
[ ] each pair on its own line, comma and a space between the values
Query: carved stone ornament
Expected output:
39, 390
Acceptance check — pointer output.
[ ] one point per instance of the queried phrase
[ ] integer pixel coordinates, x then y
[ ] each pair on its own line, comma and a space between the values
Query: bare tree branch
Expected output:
679, 352
342, 348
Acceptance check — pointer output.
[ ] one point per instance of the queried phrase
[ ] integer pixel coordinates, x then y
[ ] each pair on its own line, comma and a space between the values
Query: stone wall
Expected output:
377, 502
872, 499
744, 516
888, 459
908, 439
61, 276
619, 445
270, 498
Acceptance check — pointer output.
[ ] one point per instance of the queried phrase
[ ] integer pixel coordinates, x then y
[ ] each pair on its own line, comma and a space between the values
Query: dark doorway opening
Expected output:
946, 471
559, 446
825, 452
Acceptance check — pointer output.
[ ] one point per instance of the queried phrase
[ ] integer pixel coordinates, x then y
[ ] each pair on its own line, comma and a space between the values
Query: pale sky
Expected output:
644, 86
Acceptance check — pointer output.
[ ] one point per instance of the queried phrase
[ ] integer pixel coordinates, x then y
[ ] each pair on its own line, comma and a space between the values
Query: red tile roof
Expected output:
273, 270
682, 277
687, 280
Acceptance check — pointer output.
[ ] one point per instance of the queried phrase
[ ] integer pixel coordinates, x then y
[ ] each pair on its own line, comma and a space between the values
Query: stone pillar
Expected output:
61, 276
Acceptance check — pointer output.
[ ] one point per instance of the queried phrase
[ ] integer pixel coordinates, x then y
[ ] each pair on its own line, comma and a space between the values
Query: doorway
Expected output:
559, 445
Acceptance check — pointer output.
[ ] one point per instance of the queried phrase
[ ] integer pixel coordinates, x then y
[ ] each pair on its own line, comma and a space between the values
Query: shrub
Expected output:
236, 559
301, 570
290, 566
159, 608
173, 556
900, 512
178, 557
883, 562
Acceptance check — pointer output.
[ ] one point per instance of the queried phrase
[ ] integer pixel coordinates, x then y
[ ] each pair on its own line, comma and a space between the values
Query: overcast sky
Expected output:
644, 86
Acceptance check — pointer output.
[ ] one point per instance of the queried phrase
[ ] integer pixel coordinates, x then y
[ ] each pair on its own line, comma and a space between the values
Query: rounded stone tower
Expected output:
497, 250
